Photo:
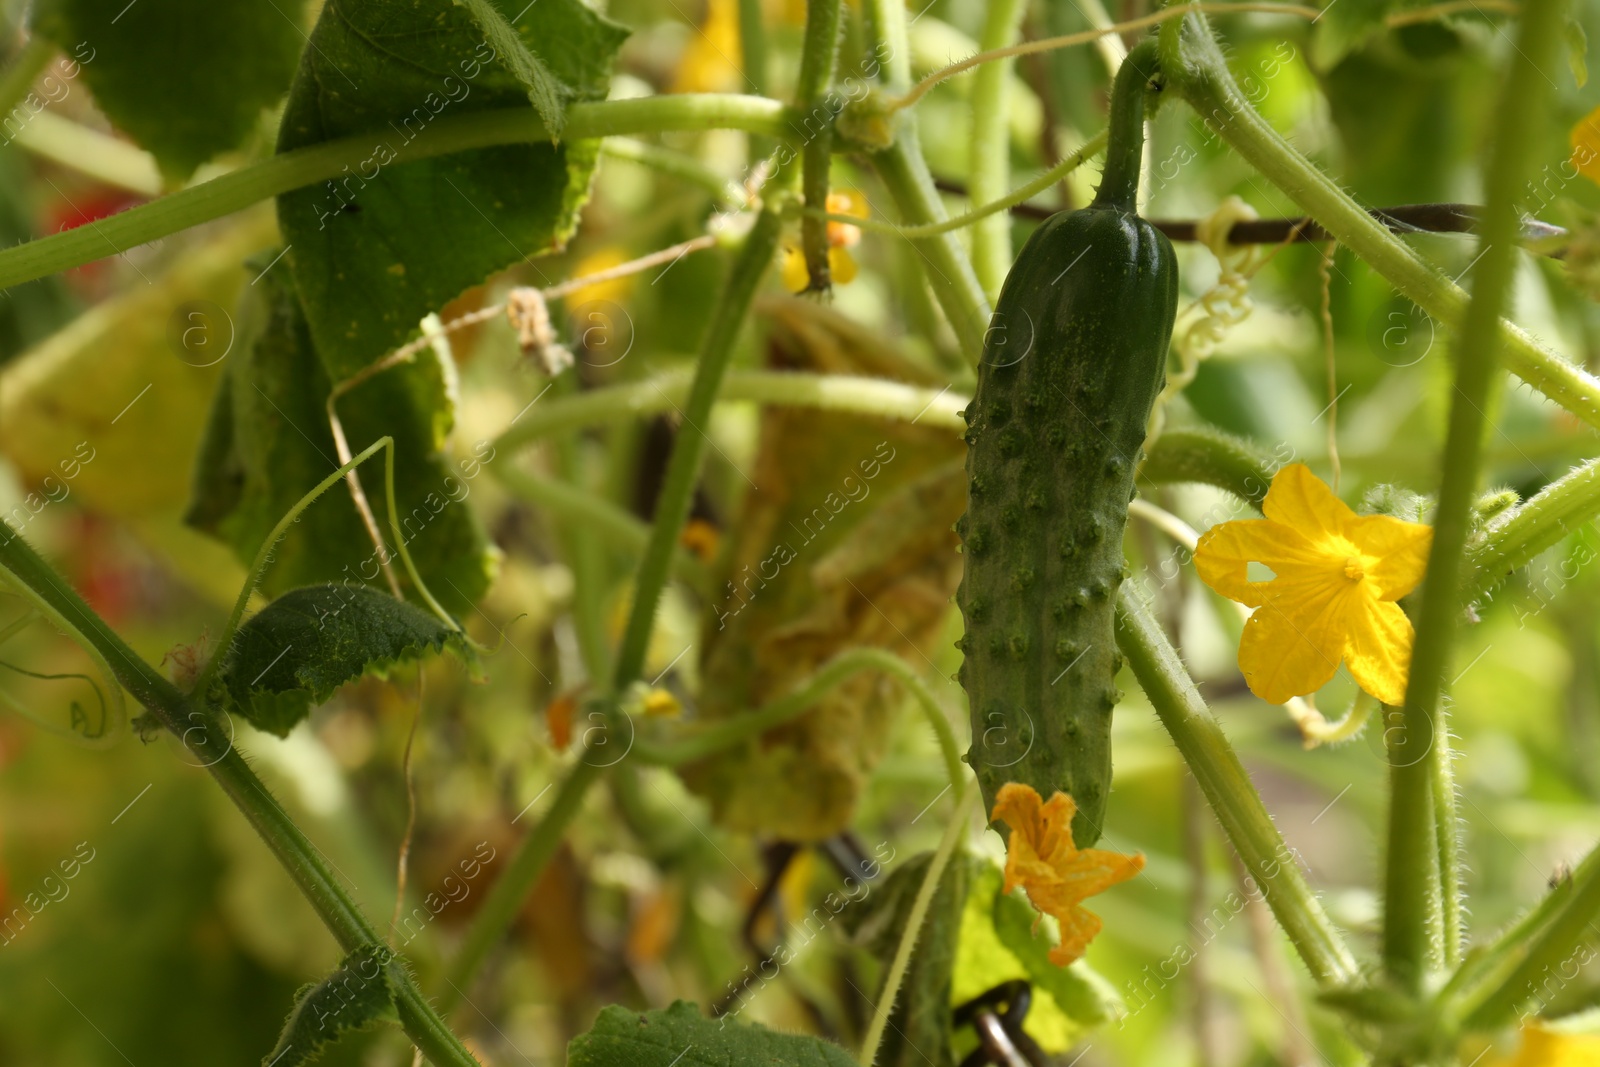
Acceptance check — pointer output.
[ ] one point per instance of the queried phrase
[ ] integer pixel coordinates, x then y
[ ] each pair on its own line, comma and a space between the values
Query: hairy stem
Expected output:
212, 745
689, 446
1194, 68
307, 166
818, 56
1421, 754
1228, 790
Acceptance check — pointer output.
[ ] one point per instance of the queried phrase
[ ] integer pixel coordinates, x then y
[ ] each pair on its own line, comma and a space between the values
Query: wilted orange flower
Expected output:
1059, 876
1335, 578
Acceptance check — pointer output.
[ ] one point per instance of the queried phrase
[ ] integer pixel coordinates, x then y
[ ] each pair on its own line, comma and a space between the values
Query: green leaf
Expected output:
1345, 26
268, 443
376, 250
184, 78
306, 644
681, 1035
356, 995
544, 91
998, 944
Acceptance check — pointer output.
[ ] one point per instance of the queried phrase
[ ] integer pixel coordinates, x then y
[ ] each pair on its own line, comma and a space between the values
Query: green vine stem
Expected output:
819, 54
875, 397
1195, 69
201, 732
989, 159
511, 888
892, 979
1420, 752
688, 448
1085, 152
1500, 981
846, 665
599, 519
307, 166
1227, 788
905, 175
1513, 539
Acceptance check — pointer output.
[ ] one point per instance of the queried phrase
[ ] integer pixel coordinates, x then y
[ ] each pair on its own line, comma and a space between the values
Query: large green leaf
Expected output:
681, 1036
309, 642
185, 78
268, 443
356, 995
376, 250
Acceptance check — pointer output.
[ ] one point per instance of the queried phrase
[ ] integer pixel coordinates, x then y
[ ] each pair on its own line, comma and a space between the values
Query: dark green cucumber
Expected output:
1072, 362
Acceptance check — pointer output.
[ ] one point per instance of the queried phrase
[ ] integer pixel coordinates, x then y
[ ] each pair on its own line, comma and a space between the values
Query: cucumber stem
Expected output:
1119, 182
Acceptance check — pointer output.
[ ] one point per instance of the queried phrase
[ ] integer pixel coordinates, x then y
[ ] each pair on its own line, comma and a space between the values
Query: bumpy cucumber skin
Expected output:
1073, 360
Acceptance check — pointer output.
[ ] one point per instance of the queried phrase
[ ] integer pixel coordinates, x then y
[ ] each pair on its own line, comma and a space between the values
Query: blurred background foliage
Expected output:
181, 941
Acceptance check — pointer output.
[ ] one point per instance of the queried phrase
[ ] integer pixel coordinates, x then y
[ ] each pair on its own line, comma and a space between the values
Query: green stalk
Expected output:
953, 834
306, 166
1119, 182
905, 174
1194, 69
873, 397
753, 54
1085, 152
835, 672
1498, 982
512, 886
1512, 540
599, 520
1209, 457
819, 55
1569, 929
584, 555
201, 732
1227, 788
23, 70
688, 449
1421, 749
989, 160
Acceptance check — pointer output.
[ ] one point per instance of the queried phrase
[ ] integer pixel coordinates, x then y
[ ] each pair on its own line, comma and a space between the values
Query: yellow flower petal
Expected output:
1292, 647
795, 277
1299, 499
1398, 551
1225, 552
1336, 576
1058, 877
841, 265
1378, 650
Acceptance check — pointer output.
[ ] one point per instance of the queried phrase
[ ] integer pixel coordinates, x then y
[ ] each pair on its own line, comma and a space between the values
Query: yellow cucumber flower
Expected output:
1057, 874
841, 238
1544, 1046
1335, 578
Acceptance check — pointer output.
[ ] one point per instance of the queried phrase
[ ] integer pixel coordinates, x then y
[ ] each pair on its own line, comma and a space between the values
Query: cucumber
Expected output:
1072, 361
